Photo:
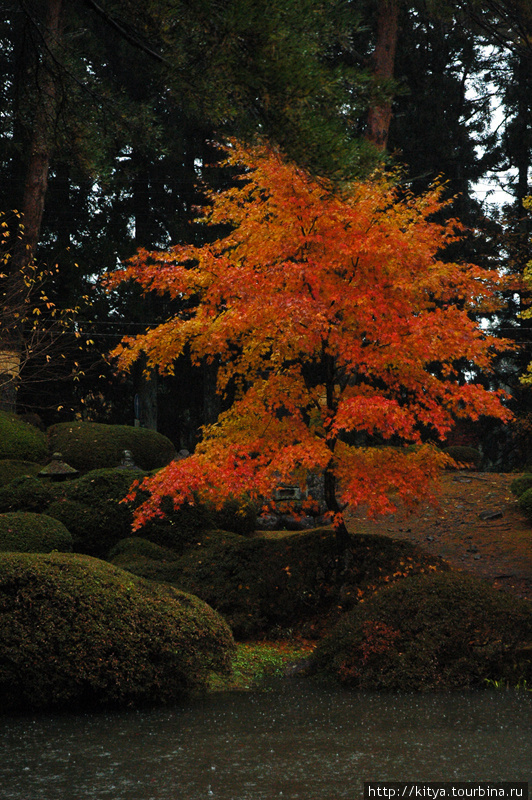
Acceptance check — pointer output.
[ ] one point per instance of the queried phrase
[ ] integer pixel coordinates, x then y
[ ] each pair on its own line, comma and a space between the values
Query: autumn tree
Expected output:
330, 314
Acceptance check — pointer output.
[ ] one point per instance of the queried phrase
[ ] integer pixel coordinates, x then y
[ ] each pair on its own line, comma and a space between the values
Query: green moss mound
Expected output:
11, 468
520, 485
463, 455
20, 440
444, 631
294, 584
28, 494
93, 445
25, 532
77, 632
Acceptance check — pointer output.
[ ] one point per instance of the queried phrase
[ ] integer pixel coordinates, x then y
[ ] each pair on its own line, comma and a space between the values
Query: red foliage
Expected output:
332, 313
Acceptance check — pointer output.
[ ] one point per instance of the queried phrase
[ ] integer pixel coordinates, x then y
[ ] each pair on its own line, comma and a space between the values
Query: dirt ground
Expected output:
477, 528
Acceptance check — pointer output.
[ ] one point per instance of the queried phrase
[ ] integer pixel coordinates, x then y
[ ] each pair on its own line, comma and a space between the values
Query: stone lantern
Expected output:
57, 469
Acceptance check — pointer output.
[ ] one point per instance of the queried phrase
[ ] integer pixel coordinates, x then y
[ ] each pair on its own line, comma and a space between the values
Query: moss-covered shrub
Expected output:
238, 515
101, 486
25, 532
444, 631
525, 504
261, 585
181, 528
94, 530
76, 632
519, 485
11, 468
463, 455
20, 440
28, 494
137, 547
92, 510
92, 445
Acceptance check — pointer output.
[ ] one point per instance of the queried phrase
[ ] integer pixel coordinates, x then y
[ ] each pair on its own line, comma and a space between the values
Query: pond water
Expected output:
299, 742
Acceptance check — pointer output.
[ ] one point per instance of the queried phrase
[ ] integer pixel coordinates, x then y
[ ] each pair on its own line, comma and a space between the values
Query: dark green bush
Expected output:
11, 468
77, 632
180, 528
101, 486
519, 485
260, 585
94, 529
28, 494
92, 445
92, 510
444, 631
25, 532
525, 504
238, 515
20, 440
136, 546
464, 455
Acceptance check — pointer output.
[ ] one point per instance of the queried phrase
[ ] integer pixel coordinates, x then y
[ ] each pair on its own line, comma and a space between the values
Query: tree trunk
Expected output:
41, 141
380, 115
37, 166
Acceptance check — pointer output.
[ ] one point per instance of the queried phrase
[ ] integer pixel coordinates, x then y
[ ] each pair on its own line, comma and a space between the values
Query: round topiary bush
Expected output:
93, 445
464, 456
25, 532
525, 504
77, 632
28, 494
20, 440
11, 468
520, 485
94, 530
136, 546
443, 631
92, 510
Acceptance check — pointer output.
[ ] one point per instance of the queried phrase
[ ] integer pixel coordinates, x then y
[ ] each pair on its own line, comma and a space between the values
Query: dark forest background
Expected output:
109, 117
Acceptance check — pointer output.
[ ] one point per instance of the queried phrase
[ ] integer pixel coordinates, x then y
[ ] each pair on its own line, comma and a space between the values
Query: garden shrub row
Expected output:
264, 586
91, 508
83, 445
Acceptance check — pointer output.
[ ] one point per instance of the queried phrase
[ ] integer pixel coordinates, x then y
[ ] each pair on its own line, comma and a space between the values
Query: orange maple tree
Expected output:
331, 314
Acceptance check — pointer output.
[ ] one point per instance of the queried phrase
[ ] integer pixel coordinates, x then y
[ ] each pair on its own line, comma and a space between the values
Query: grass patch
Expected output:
256, 664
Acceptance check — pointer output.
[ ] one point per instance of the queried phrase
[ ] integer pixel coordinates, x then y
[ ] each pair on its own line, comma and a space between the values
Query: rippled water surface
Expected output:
300, 742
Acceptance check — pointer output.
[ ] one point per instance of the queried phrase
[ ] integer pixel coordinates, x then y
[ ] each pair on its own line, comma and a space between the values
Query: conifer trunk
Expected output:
38, 159
379, 116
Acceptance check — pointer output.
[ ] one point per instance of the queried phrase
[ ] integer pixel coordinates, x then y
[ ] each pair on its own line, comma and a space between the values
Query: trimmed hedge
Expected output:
444, 631
28, 494
265, 586
20, 440
11, 468
93, 445
525, 504
77, 632
92, 510
463, 455
519, 485
137, 547
25, 532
